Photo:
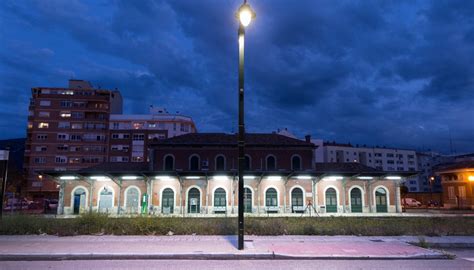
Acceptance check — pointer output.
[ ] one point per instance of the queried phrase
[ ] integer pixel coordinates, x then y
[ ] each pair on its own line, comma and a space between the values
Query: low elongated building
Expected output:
196, 175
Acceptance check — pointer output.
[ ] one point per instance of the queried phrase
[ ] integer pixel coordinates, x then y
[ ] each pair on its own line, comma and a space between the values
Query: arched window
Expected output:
297, 200
295, 163
247, 166
194, 201
220, 163
271, 163
169, 163
79, 201
106, 199
133, 200
356, 200
247, 200
271, 198
331, 200
381, 200
167, 201
194, 163
219, 201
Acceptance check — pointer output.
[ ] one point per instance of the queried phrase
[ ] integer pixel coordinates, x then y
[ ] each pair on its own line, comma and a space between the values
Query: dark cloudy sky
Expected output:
395, 73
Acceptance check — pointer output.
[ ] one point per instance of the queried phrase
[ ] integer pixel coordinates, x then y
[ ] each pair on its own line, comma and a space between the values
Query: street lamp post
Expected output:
245, 15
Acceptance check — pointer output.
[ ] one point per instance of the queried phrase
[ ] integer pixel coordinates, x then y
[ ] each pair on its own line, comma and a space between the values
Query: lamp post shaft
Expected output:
241, 139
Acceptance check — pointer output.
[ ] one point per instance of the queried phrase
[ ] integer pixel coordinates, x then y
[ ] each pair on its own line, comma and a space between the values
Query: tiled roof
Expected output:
117, 167
455, 166
255, 139
343, 167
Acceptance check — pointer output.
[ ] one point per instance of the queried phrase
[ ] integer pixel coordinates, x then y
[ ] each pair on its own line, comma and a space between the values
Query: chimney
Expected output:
307, 138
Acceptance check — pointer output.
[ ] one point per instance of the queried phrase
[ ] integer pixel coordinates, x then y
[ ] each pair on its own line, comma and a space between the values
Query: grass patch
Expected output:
93, 224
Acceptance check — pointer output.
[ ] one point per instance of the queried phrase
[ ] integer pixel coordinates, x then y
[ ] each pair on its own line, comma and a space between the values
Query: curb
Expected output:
445, 245
210, 256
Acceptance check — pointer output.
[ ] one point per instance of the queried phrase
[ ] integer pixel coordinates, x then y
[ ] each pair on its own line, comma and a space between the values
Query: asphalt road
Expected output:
464, 260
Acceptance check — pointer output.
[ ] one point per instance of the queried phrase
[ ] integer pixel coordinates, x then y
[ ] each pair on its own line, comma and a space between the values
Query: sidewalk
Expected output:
36, 247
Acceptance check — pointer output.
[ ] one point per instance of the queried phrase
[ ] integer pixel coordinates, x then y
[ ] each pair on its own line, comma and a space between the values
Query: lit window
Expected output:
43, 125
64, 125
76, 126
65, 114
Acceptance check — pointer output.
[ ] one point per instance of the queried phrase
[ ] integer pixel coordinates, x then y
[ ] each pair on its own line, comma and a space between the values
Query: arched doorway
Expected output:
133, 200
331, 200
297, 200
247, 200
167, 201
356, 200
271, 200
381, 200
194, 201
220, 201
106, 199
79, 201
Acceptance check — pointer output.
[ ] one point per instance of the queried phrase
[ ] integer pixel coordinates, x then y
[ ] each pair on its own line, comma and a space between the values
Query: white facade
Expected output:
386, 159
158, 119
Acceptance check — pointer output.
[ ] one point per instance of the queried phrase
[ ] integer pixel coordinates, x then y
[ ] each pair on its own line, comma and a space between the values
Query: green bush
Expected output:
95, 223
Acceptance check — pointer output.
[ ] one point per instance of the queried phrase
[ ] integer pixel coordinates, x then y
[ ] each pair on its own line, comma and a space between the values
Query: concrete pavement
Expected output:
35, 247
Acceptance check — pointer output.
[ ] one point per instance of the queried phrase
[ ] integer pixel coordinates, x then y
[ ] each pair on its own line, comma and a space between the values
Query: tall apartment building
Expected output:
80, 126
386, 159
130, 134
67, 130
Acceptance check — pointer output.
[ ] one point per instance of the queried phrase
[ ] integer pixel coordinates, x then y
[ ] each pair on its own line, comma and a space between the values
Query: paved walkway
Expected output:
209, 247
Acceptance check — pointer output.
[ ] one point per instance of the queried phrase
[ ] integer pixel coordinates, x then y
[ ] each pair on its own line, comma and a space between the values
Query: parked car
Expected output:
410, 202
433, 203
53, 204
17, 204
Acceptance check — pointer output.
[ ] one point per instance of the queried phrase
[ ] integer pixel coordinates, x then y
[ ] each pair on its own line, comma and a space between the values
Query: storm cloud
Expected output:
395, 73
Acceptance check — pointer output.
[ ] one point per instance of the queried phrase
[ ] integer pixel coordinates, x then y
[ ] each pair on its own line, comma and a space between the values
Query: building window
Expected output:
219, 200
76, 126
451, 194
194, 201
65, 114
64, 125
43, 125
271, 163
138, 137
271, 198
76, 137
295, 163
247, 200
43, 114
60, 159
41, 148
220, 163
77, 115
462, 192
248, 163
167, 201
40, 160
45, 103
194, 163
66, 103
169, 163
62, 137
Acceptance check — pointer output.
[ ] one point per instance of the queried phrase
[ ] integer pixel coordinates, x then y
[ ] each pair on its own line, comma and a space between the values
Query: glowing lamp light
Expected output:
165, 178
393, 177
100, 178
274, 178
192, 177
67, 177
221, 177
365, 177
333, 178
129, 177
471, 178
249, 177
245, 14
303, 177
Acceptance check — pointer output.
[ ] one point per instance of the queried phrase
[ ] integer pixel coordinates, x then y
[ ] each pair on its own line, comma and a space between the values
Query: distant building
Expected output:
381, 158
81, 126
130, 134
458, 184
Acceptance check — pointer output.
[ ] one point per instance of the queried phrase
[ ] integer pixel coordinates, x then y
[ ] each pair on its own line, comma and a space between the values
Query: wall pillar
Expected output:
344, 204
398, 204
62, 186
91, 194
119, 196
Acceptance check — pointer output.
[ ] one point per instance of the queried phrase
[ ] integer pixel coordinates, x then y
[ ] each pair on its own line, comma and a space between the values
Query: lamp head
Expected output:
245, 14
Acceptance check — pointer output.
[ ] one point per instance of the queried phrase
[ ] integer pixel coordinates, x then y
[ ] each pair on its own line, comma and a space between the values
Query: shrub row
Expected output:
90, 224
